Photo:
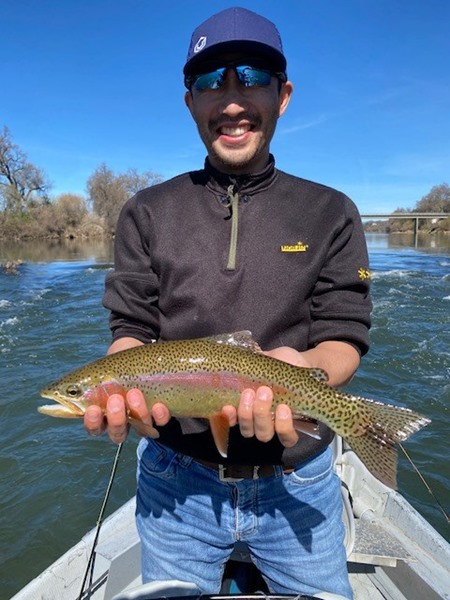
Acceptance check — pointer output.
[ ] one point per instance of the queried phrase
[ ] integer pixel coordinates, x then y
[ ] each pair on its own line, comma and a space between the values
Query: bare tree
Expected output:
108, 192
135, 181
21, 183
437, 200
70, 209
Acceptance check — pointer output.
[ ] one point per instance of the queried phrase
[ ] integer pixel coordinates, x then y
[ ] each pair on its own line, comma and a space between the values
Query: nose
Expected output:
233, 99
231, 81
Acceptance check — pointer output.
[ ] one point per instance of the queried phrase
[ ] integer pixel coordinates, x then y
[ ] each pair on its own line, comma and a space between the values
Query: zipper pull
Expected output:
233, 205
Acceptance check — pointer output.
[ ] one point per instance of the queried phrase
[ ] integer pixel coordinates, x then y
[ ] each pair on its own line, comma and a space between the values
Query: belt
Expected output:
230, 473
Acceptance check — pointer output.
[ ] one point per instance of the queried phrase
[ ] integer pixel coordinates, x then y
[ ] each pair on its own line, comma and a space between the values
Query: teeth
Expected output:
234, 131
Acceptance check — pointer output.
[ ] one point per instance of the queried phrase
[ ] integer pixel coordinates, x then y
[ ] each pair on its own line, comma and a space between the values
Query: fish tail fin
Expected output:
379, 457
374, 441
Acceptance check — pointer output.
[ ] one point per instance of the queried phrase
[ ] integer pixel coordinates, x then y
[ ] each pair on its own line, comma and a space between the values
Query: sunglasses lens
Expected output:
210, 81
250, 76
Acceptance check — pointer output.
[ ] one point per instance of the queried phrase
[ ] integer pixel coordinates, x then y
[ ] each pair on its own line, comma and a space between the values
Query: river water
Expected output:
53, 476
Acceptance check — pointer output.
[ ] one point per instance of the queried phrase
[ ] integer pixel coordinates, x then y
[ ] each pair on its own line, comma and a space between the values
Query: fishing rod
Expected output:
422, 478
89, 572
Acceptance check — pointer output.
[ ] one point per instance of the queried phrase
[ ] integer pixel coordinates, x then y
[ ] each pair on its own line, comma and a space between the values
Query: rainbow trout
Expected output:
196, 378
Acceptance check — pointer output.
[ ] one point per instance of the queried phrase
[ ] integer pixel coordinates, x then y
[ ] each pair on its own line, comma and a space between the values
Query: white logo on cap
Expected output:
200, 44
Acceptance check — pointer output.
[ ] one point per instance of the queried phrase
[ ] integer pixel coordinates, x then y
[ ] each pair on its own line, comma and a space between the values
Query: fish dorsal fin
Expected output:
318, 374
239, 339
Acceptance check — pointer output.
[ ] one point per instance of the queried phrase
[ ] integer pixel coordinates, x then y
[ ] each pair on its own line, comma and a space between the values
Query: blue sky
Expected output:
85, 82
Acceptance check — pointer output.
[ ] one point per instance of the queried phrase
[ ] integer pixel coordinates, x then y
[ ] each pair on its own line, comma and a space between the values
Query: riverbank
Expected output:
98, 232
46, 224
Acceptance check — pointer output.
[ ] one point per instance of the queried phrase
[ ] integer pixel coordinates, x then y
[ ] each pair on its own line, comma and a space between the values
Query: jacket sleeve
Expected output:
132, 289
341, 304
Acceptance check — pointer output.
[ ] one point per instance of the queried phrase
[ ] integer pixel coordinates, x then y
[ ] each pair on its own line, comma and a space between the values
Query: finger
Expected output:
245, 413
263, 415
161, 414
94, 421
139, 415
137, 406
117, 418
231, 413
284, 426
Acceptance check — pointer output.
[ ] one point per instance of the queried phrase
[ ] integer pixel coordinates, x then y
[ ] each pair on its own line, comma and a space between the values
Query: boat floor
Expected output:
393, 553
381, 566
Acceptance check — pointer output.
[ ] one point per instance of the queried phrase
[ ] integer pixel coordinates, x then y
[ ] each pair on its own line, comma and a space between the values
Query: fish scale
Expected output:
196, 378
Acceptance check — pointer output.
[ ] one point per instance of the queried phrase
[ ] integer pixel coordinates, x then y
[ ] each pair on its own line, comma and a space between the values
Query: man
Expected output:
239, 245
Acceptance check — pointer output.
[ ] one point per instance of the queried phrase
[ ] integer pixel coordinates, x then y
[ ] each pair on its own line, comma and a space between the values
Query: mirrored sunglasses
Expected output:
247, 75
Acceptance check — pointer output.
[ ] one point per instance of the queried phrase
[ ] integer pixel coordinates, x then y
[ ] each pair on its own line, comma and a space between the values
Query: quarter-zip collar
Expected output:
233, 190
246, 185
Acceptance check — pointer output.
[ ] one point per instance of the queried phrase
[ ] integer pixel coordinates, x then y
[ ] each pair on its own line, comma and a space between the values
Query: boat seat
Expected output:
159, 589
170, 589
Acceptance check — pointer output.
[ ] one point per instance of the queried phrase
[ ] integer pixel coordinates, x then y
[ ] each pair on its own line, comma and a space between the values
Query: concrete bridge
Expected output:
408, 215
415, 216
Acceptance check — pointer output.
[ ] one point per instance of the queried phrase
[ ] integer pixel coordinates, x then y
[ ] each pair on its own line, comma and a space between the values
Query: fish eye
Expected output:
73, 391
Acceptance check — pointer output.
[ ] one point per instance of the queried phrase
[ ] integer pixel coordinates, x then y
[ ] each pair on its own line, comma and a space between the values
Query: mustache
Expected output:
218, 122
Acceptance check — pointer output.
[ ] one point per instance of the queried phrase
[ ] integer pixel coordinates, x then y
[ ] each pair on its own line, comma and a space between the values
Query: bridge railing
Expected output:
407, 215
415, 216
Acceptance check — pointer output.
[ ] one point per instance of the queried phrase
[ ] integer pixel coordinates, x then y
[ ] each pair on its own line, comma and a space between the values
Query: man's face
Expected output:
237, 123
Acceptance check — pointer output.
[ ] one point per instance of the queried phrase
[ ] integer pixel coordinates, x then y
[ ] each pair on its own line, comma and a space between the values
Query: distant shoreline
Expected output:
369, 227
385, 227
92, 227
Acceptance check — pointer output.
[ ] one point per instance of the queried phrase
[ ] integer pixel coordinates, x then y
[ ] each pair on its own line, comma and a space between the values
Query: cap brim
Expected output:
275, 59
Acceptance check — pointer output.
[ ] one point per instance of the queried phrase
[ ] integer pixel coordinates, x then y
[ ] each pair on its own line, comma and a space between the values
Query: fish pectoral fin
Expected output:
307, 427
220, 429
143, 429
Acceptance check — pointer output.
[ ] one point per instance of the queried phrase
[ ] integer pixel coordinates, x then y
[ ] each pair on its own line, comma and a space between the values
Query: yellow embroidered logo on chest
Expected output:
364, 273
298, 247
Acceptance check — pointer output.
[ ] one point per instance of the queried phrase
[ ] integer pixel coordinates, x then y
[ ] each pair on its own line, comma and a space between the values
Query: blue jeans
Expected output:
188, 521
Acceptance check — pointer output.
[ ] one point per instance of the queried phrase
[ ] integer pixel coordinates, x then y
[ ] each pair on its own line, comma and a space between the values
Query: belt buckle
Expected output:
224, 478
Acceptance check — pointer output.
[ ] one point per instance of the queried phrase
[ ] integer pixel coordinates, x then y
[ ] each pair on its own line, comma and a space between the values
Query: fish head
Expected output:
76, 391
69, 398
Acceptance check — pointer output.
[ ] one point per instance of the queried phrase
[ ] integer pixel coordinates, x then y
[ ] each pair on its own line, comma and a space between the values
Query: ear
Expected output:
189, 102
285, 96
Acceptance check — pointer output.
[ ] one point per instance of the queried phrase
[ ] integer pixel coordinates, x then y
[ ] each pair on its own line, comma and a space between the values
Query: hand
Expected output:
291, 356
256, 417
255, 413
115, 419
338, 359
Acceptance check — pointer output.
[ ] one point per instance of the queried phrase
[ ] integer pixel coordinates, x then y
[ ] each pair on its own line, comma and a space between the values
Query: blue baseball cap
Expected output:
235, 30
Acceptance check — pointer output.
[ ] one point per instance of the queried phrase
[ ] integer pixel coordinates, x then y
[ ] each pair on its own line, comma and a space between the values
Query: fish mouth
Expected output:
61, 407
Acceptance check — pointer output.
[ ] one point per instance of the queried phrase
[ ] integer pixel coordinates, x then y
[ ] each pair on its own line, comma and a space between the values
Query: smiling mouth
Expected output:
236, 131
